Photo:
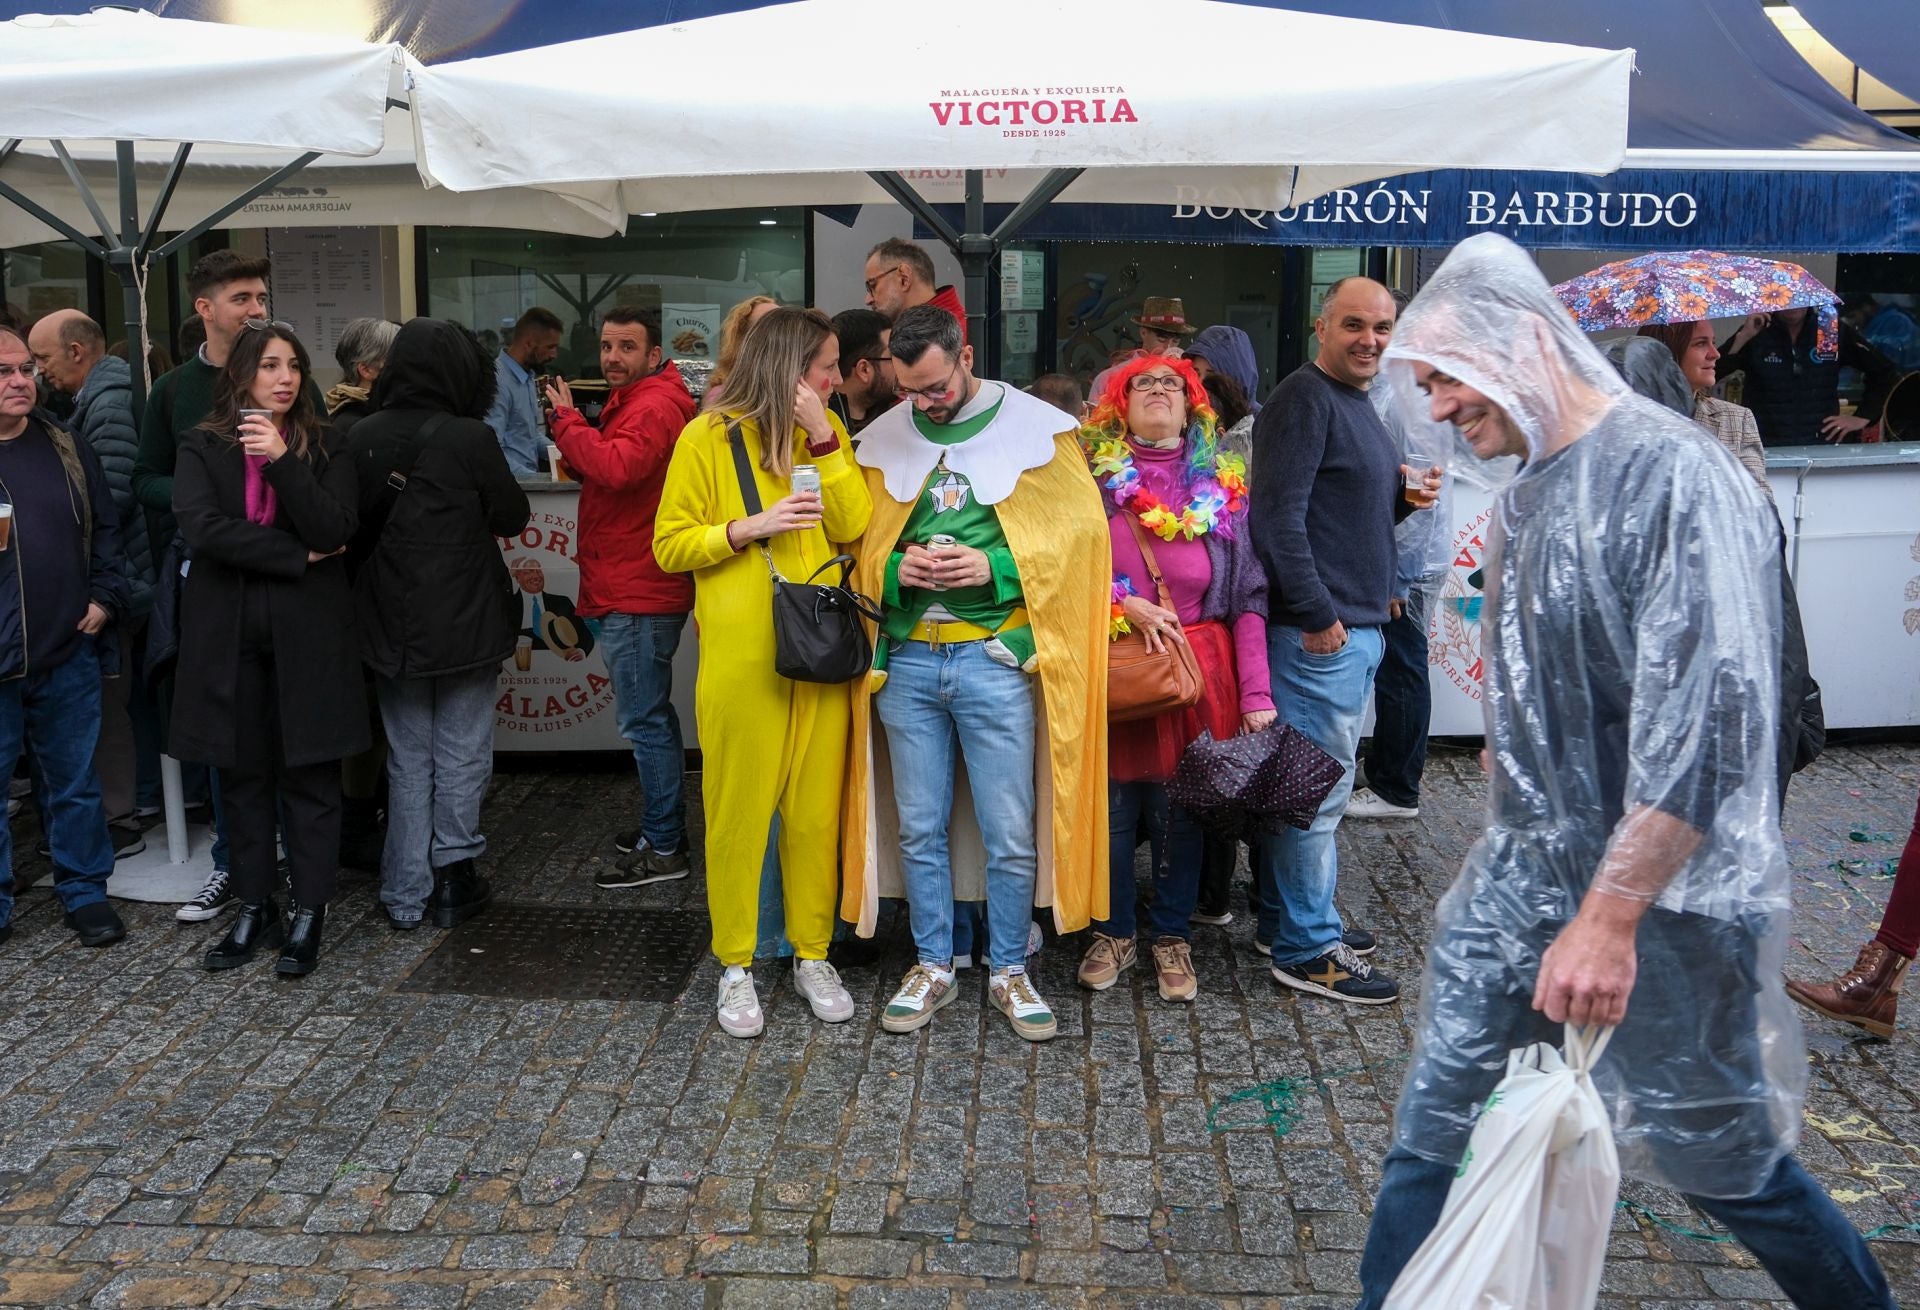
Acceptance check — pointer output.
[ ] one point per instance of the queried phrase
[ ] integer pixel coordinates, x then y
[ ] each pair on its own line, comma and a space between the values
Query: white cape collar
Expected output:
1019, 438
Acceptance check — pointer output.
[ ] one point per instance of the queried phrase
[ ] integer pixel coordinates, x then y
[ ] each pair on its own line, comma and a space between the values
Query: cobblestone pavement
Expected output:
174, 1138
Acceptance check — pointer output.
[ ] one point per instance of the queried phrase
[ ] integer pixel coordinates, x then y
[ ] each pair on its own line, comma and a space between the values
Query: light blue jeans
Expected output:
1325, 697
439, 761
934, 701
639, 650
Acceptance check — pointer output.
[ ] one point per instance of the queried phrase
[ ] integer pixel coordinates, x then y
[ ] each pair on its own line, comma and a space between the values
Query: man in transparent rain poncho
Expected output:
1632, 872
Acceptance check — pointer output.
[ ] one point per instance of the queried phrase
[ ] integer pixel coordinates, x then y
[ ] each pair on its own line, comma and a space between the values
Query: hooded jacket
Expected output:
432, 595
103, 417
622, 468
1229, 350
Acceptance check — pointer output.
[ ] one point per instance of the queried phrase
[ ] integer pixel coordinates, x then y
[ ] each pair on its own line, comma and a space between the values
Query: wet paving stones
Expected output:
415, 1125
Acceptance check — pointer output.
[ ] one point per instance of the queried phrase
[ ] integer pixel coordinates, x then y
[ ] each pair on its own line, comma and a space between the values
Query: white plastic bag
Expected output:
1526, 1220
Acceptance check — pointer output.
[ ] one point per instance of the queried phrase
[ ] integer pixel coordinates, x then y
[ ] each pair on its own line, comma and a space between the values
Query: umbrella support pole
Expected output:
977, 248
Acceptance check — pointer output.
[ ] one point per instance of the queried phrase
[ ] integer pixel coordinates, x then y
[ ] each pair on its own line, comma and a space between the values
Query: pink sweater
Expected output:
1188, 571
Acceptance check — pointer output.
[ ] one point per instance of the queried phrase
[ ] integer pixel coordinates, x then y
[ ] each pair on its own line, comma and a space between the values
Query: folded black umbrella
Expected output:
1252, 786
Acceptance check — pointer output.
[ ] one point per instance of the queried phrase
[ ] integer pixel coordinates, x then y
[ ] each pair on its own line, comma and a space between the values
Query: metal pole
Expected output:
976, 262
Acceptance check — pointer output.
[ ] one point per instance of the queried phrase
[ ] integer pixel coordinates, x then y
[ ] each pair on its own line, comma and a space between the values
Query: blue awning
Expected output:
1635, 209
1882, 36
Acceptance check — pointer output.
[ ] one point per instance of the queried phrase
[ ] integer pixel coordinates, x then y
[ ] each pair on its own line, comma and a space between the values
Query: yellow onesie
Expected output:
767, 743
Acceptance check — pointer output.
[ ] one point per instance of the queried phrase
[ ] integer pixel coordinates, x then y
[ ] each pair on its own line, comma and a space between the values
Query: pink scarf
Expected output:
262, 503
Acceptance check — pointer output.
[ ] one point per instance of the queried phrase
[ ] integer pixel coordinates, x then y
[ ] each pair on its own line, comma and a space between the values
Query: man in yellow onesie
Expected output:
989, 549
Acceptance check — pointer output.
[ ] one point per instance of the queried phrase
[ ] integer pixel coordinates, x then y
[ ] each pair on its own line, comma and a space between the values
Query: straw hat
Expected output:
1165, 314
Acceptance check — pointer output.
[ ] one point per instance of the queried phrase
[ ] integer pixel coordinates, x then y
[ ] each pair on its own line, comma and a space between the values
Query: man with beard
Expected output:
988, 550
866, 368
641, 608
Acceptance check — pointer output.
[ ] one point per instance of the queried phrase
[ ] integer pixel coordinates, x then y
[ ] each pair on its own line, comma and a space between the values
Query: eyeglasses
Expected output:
27, 371
1157, 382
874, 281
266, 325
872, 359
941, 392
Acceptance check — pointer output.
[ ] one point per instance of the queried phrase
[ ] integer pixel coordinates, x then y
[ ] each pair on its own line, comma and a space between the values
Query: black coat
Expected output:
1791, 391
431, 592
323, 708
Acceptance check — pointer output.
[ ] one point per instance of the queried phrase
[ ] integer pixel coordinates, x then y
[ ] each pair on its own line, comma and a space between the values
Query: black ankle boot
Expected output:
255, 928
303, 941
458, 894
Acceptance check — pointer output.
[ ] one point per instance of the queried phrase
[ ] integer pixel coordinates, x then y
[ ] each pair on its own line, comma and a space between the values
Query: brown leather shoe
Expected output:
1867, 995
1173, 966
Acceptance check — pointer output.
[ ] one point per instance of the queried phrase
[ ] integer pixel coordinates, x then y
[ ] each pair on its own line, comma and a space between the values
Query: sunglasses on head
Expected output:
266, 325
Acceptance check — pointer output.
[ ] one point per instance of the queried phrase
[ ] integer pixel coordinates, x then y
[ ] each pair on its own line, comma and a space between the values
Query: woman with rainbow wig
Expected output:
1153, 445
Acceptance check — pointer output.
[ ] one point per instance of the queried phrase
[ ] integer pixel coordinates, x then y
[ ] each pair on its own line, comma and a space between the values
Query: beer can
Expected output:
806, 478
940, 540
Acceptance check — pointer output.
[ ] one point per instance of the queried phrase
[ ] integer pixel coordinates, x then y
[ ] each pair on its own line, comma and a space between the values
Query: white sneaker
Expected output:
739, 1009
817, 981
216, 896
1013, 995
1365, 803
922, 992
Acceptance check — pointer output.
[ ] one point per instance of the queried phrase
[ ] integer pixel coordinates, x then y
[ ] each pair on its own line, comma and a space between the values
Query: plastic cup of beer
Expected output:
6, 524
523, 654
557, 465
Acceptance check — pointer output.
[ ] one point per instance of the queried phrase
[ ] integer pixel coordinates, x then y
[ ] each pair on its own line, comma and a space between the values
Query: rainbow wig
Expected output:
1216, 483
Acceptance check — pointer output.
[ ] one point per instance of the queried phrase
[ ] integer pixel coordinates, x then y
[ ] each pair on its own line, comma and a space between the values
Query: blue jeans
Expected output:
639, 651
1325, 697
1795, 1229
56, 713
1402, 707
439, 761
935, 700
1178, 847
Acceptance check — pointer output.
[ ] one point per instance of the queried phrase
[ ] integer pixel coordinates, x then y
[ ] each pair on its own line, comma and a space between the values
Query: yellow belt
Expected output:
953, 632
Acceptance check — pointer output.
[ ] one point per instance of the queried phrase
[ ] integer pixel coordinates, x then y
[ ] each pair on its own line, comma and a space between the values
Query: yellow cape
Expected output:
1057, 530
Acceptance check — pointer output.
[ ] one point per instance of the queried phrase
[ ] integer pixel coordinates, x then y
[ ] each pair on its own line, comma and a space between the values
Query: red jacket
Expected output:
948, 299
621, 468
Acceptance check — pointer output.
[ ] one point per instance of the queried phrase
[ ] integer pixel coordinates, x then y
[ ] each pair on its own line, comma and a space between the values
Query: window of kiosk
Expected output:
1103, 287
692, 268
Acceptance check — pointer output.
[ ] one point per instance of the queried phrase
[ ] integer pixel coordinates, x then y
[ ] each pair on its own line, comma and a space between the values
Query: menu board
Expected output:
323, 279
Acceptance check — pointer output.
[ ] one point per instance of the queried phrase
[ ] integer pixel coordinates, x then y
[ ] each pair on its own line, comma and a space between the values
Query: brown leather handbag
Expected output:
1142, 683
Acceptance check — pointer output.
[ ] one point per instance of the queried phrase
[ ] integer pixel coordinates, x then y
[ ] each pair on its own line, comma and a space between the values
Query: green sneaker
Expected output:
1013, 995
920, 994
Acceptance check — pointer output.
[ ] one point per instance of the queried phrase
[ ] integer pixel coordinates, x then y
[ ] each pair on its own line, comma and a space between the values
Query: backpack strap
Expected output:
397, 456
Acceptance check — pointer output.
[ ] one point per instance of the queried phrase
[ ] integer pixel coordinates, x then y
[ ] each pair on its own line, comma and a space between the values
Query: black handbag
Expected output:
817, 633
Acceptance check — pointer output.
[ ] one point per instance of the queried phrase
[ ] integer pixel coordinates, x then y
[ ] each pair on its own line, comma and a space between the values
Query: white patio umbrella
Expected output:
88, 97
1015, 100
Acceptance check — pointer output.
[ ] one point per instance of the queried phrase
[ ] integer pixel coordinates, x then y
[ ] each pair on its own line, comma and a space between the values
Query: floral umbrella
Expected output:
1686, 286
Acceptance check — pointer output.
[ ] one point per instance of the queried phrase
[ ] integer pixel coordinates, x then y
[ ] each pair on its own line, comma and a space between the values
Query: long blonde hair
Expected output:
733, 334
773, 359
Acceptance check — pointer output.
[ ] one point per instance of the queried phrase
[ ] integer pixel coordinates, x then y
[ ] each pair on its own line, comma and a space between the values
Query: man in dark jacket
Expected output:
71, 352
434, 608
1793, 387
62, 533
641, 608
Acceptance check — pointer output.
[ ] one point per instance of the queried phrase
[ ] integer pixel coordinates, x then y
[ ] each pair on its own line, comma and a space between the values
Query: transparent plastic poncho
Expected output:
1631, 648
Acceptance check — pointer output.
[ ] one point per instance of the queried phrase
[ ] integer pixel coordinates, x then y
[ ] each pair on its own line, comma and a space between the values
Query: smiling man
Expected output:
1632, 874
641, 608
1326, 495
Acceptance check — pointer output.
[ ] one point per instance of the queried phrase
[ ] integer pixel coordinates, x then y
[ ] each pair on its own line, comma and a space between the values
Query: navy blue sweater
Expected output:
1326, 494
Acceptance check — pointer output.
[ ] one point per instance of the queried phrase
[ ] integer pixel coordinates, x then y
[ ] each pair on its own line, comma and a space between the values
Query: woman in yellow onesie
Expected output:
769, 744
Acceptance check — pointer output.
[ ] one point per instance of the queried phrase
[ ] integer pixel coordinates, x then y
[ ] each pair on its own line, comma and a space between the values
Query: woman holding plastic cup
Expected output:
269, 688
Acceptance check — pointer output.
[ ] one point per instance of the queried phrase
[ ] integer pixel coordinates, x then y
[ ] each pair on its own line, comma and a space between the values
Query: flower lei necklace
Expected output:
1215, 492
